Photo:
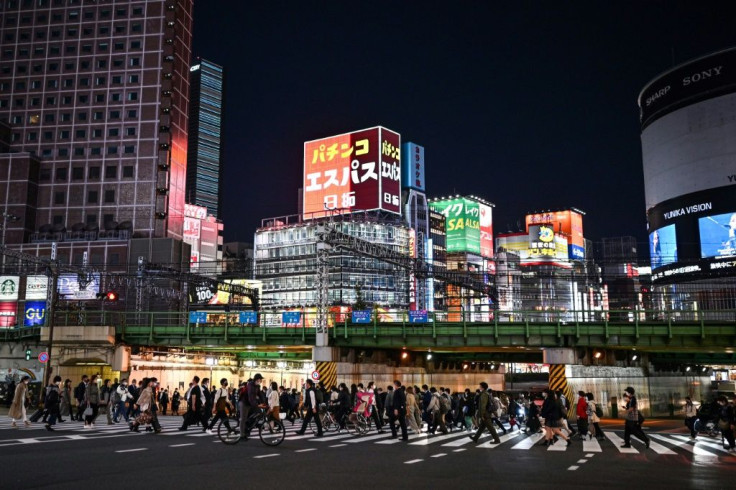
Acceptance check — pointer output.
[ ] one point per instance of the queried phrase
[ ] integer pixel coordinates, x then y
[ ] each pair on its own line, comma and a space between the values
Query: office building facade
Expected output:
204, 159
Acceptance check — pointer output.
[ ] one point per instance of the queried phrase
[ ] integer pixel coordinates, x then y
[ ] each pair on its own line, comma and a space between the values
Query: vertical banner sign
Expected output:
346, 173
486, 230
412, 167
412, 277
390, 171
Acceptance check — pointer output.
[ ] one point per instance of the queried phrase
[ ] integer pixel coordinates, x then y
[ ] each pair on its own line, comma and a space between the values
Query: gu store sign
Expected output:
358, 171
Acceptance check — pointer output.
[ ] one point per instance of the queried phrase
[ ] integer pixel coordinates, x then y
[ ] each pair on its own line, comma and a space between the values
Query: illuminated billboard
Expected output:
412, 167
9, 286
356, 171
718, 236
70, 288
568, 223
468, 225
36, 287
540, 246
663, 246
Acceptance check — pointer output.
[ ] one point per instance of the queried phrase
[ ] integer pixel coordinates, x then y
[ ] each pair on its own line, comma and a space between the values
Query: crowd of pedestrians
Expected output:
401, 408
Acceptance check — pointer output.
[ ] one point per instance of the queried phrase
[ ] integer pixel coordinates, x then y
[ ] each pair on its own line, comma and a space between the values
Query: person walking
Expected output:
593, 418
398, 412
143, 406
207, 404
691, 415
726, 421
310, 405
221, 403
194, 405
274, 404
65, 409
552, 410
106, 400
411, 409
164, 400
18, 406
374, 407
123, 405
175, 402
91, 402
53, 402
79, 393
632, 425
581, 412
485, 415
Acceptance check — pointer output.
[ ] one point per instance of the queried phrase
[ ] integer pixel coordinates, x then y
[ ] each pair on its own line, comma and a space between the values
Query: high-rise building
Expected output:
97, 93
204, 160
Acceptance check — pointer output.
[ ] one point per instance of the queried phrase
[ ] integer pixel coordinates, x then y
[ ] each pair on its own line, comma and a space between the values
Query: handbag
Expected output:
87, 412
144, 418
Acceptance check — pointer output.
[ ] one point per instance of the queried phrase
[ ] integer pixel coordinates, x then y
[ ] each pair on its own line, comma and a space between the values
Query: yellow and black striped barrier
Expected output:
558, 382
327, 373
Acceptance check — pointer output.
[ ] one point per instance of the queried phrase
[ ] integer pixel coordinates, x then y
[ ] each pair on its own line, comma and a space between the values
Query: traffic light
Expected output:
28, 354
111, 296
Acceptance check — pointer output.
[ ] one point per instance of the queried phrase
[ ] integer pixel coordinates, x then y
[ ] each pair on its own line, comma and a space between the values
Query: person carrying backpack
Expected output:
595, 412
53, 402
485, 415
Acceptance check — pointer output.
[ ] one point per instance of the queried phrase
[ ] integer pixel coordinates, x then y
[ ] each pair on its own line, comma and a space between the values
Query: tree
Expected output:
359, 302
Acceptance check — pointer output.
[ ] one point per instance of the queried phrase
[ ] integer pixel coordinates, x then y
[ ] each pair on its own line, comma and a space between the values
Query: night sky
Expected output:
531, 105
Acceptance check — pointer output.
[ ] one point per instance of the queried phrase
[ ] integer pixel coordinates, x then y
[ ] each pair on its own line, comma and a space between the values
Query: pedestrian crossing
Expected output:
661, 444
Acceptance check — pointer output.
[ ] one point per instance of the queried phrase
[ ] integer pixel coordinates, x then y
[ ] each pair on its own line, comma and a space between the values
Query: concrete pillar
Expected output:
325, 359
558, 359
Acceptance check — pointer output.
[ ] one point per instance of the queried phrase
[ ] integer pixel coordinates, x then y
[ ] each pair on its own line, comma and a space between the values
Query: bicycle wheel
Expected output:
272, 433
231, 436
329, 424
362, 425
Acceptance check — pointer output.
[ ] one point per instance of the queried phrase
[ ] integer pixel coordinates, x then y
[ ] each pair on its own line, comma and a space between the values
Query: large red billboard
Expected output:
356, 171
568, 223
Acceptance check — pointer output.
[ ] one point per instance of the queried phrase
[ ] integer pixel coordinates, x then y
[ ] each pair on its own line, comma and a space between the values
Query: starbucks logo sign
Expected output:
9, 287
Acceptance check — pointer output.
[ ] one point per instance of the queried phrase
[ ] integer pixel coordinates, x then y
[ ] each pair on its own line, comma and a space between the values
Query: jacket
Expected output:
690, 410
92, 394
52, 402
581, 410
19, 400
434, 403
123, 393
144, 399
549, 409
399, 400
485, 399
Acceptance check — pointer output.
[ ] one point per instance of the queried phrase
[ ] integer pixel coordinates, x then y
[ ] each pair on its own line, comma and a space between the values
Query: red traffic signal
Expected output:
108, 296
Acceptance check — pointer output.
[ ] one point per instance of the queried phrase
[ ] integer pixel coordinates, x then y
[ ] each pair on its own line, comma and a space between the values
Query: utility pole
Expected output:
52, 272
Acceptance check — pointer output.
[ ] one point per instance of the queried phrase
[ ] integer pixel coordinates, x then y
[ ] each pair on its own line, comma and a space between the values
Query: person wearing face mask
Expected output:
124, 397
249, 402
53, 402
18, 407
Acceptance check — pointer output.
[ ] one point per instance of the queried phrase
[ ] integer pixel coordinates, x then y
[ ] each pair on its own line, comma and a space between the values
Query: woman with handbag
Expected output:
92, 401
221, 403
726, 421
143, 405
18, 407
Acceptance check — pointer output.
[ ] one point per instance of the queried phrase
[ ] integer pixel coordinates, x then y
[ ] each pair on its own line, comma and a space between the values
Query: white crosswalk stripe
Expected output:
503, 438
618, 442
592, 446
528, 442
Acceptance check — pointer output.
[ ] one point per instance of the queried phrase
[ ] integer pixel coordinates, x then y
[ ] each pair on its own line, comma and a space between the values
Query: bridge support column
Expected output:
558, 359
325, 360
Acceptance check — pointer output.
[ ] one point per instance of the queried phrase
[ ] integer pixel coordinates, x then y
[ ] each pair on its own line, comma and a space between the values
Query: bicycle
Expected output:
271, 432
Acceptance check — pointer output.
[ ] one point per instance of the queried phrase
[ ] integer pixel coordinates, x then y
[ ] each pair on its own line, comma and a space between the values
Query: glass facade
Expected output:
204, 170
286, 263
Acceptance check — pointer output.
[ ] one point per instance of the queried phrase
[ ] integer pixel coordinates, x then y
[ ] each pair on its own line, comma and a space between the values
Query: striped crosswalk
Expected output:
661, 444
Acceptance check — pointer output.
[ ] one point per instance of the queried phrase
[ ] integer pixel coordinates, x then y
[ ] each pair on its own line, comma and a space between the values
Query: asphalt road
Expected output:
112, 457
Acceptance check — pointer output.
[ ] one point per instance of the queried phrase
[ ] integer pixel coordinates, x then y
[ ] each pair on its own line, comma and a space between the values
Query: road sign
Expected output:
43, 357
315, 375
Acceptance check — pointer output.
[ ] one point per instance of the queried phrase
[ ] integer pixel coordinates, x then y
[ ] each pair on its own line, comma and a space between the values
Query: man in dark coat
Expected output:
398, 411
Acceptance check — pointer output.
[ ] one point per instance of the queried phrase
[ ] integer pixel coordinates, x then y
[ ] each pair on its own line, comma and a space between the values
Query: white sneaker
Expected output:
87, 426
91, 425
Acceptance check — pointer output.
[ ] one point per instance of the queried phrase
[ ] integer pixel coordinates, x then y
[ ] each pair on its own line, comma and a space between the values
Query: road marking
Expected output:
617, 441
592, 446
560, 445
266, 456
369, 438
591, 455
503, 438
132, 450
658, 448
582, 461
305, 450
438, 455
412, 461
203, 434
529, 442
339, 445
573, 468
29, 441
330, 439
687, 446
459, 450
183, 445
701, 442
433, 439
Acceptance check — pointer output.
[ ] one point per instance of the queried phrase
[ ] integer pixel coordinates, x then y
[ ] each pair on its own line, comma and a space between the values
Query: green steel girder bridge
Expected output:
670, 333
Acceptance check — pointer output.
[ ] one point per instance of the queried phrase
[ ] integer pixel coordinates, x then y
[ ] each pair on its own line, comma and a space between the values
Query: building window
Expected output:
95, 150
110, 196
92, 197
113, 132
130, 131
49, 118
97, 133
111, 172
114, 114
81, 133
97, 116
133, 96
82, 116
45, 175
78, 151
135, 62
132, 114
63, 152
64, 134
112, 150
117, 79
94, 173
59, 197
130, 149
115, 97
58, 220
77, 173
135, 45
128, 172
133, 79
91, 219
100, 81
61, 174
